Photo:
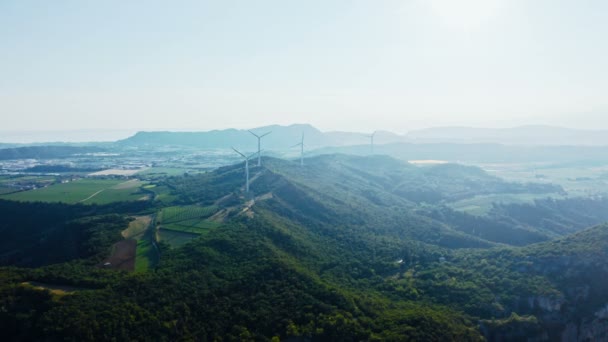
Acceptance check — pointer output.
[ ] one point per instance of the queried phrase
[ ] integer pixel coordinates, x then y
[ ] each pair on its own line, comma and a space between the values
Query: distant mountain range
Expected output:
282, 137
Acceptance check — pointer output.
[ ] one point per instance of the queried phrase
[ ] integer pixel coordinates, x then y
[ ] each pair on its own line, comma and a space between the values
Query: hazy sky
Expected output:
348, 65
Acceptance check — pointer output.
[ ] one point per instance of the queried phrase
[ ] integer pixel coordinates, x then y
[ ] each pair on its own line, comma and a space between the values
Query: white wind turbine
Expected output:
259, 145
246, 168
301, 144
371, 137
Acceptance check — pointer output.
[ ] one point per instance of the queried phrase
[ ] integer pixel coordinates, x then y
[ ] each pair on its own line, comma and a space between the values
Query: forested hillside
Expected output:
342, 249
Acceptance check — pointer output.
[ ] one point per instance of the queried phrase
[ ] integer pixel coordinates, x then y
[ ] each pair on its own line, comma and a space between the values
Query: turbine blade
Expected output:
257, 136
237, 151
265, 134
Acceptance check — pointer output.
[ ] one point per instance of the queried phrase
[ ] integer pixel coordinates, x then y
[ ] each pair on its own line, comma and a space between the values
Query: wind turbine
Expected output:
371, 137
301, 144
259, 145
246, 168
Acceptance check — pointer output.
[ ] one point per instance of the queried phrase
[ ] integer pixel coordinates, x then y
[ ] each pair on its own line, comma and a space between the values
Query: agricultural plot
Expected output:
99, 191
143, 231
191, 220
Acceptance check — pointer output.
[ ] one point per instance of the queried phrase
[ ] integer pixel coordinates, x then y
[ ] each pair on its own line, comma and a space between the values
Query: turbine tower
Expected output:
301, 144
259, 145
371, 137
246, 168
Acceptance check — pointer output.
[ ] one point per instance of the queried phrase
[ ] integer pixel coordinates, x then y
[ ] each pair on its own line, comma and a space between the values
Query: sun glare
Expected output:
465, 14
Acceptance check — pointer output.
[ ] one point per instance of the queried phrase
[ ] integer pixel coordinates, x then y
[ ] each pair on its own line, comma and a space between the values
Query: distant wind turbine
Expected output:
371, 137
259, 145
301, 144
246, 168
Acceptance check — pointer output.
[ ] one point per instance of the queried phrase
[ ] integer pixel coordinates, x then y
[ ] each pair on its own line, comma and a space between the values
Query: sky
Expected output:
354, 65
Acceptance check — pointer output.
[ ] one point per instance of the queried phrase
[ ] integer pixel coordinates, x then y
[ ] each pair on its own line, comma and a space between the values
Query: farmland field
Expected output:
143, 230
99, 191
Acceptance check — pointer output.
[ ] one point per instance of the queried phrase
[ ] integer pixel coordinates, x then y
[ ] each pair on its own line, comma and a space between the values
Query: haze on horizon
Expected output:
338, 65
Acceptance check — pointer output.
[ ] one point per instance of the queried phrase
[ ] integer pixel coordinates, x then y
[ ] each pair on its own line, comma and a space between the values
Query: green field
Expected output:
188, 219
12, 183
162, 193
481, 205
175, 238
143, 230
89, 191
146, 256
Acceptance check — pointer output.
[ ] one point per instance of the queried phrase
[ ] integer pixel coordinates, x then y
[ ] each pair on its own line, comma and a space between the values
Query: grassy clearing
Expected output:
99, 191
162, 194
191, 212
188, 219
192, 226
55, 290
175, 238
137, 227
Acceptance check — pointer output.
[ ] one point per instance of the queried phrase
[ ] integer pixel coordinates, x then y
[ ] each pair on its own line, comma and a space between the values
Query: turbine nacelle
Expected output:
259, 145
